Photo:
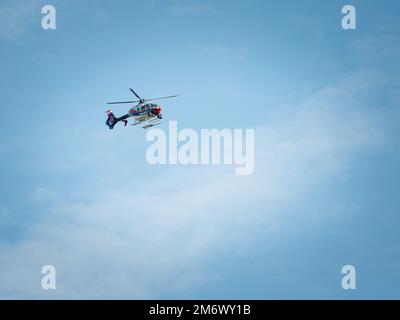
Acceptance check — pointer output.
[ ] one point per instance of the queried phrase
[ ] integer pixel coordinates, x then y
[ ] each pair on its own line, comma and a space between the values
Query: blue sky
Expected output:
325, 191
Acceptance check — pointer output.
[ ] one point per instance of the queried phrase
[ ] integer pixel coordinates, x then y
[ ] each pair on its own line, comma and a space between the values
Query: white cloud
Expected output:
15, 16
190, 7
146, 239
43, 195
375, 48
4, 214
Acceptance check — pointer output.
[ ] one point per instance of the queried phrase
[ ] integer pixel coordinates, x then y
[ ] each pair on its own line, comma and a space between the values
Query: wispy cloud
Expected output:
190, 7
149, 239
374, 47
16, 16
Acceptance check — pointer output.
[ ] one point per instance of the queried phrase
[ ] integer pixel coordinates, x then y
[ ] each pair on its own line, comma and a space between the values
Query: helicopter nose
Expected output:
157, 109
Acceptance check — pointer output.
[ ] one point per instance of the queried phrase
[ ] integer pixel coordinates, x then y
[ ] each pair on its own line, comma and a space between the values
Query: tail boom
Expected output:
112, 120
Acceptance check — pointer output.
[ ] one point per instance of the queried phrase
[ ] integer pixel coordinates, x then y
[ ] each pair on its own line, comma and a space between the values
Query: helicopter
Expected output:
144, 112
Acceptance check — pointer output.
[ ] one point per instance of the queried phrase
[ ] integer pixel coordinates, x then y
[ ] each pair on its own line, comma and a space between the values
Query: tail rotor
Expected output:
112, 120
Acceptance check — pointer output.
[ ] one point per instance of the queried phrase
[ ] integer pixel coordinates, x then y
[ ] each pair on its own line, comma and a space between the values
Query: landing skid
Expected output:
148, 123
151, 125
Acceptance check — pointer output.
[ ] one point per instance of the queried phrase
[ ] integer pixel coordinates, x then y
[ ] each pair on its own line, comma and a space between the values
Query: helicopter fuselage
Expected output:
146, 110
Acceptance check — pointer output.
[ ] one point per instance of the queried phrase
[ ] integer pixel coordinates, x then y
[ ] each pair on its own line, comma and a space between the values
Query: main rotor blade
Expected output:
161, 98
137, 96
141, 100
120, 102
